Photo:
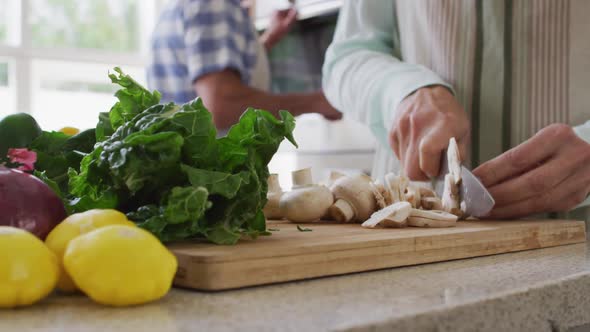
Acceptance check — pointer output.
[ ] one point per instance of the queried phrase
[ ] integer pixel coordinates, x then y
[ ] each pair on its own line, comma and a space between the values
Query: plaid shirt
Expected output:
196, 37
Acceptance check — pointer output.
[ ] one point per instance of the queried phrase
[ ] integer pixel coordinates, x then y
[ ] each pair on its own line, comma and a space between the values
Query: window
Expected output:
72, 94
108, 25
55, 55
6, 88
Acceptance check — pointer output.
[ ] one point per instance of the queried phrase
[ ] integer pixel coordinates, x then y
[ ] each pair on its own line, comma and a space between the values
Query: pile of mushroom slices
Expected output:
359, 199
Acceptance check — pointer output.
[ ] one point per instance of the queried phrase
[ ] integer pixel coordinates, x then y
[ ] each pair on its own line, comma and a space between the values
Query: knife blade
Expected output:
477, 198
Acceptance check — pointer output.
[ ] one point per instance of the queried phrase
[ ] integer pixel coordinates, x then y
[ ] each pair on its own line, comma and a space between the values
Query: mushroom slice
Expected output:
412, 195
450, 199
385, 193
426, 192
432, 218
396, 184
378, 193
395, 215
431, 203
454, 160
463, 208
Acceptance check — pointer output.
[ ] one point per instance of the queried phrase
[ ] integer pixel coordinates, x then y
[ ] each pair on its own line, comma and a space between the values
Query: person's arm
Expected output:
221, 51
226, 97
364, 78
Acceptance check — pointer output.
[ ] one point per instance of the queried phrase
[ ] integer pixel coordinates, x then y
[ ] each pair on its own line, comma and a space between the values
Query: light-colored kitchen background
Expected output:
55, 56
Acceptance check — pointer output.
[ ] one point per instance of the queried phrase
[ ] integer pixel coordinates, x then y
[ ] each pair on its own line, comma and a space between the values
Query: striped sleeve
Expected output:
218, 35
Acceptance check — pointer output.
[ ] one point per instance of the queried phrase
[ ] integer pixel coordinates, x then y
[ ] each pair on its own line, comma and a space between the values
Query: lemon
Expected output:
28, 269
75, 225
70, 131
120, 265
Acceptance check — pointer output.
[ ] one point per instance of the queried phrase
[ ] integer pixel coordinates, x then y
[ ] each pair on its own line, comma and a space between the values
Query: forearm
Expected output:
232, 104
227, 98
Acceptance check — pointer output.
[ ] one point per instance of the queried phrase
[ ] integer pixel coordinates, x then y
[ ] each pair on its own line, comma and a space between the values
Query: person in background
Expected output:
508, 76
210, 48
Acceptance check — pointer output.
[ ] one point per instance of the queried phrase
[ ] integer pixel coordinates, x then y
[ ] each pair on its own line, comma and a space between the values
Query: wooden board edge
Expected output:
342, 242
213, 276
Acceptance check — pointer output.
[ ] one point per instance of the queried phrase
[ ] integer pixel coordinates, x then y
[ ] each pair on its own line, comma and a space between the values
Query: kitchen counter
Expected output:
538, 290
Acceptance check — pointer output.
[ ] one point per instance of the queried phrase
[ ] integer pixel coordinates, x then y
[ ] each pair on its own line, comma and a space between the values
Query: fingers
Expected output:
521, 158
432, 146
412, 165
333, 116
535, 182
395, 146
291, 15
286, 16
564, 196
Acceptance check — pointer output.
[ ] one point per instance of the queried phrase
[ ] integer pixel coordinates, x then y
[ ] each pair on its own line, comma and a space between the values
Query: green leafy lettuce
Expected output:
164, 165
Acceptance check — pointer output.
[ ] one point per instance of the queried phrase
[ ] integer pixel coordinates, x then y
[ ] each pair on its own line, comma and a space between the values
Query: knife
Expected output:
477, 198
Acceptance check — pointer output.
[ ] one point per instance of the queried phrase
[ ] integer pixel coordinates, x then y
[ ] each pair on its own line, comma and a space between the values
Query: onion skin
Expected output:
28, 203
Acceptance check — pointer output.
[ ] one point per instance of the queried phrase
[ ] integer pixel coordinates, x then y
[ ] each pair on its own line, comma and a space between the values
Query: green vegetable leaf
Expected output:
104, 129
186, 204
303, 229
224, 184
133, 99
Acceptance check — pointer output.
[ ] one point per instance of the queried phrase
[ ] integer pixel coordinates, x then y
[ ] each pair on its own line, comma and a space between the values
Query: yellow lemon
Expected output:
120, 265
70, 131
28, 269
75, 225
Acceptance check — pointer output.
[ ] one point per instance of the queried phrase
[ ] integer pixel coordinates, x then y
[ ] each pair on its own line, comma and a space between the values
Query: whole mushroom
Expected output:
306, 202
355, 201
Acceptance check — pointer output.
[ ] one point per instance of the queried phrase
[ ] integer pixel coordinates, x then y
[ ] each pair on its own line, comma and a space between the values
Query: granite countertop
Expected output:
538, 290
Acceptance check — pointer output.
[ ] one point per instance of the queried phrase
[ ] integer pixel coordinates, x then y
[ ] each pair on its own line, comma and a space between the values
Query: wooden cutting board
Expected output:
332, 249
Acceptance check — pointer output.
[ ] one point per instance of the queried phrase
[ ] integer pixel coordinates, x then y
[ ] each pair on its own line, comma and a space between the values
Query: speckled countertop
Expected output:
538, 290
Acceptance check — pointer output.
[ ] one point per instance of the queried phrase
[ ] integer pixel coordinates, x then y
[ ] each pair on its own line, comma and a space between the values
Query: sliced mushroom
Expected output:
355, 201
394, 215
307, 202
450, 199
426, 192
385, 193
431, 203
271, 209
432, 218
378, 193
396, 184
454, 160
413, 196
463, 208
